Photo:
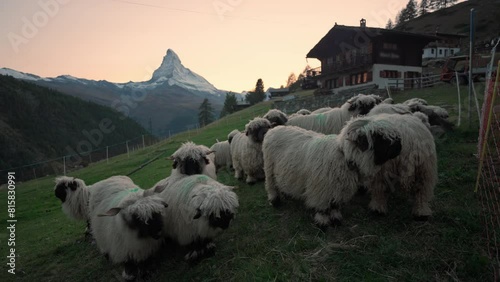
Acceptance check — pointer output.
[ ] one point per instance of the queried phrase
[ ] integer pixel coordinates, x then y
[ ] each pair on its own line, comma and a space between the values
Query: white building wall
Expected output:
382, 82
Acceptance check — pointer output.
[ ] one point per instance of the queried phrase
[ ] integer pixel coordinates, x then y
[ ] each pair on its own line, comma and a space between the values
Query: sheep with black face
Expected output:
246, 150
192, 159
413, 170
200, 208
74, 196
312, 167
127, 222
332, 121
276, 117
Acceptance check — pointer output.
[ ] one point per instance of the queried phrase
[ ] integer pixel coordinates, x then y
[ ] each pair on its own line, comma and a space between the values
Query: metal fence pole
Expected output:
64, 165
128, 153
143, 144
107, 154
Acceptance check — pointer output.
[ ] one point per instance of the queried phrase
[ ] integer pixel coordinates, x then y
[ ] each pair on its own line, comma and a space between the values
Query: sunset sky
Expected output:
231, 43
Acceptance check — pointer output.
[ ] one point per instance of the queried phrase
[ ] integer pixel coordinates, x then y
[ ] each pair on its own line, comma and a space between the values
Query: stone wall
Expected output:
290, 106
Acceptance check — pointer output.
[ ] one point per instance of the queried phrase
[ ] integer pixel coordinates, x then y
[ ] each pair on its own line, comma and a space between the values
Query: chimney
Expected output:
362, 23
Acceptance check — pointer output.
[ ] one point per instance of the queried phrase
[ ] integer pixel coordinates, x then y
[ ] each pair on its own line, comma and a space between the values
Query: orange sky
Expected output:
231, 43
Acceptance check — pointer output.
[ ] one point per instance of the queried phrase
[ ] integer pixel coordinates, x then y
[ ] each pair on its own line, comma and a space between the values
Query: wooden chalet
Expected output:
362, 56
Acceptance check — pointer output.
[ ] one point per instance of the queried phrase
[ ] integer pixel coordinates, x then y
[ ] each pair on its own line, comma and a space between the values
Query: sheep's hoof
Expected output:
276, 202
322, 227
421, 217
336, 222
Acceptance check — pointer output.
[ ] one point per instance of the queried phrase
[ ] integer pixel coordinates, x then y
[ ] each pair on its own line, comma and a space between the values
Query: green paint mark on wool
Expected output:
119, 196
321, 118
189, 184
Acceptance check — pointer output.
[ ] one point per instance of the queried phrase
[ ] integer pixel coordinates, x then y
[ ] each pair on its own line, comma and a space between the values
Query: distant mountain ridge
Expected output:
169, 100
37, 123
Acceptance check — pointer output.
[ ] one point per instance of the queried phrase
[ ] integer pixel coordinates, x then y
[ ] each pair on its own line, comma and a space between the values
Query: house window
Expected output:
432, 51
365, 77
390, 46
452, 51
440, 51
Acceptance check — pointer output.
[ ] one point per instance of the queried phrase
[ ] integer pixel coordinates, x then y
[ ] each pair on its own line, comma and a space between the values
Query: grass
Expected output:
281, 244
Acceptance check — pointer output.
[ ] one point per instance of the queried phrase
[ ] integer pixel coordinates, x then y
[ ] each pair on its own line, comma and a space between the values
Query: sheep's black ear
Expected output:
385, 149
111, 212
230, 139
246, 132
72, 185
362, 142
198, 214
175, 164
207, 161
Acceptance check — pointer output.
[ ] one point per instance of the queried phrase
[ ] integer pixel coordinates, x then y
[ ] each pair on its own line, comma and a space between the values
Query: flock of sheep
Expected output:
321, 158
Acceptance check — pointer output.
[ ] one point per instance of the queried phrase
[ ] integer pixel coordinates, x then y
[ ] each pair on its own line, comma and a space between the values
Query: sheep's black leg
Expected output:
335, 215
322, 219
130, 270
199, 249
88, 232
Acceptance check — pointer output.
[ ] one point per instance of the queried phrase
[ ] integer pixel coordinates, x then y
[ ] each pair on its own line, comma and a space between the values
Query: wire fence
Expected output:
71, 162
488, 178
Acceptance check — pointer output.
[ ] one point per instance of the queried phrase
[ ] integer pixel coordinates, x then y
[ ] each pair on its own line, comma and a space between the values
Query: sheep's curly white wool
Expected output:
301, 112
117, 206
311, 166
388, 101
399, 109
246, 150
199, 209
415, 168
415, 101
222, 153
322, 110
332, 121
276, 117
231, 135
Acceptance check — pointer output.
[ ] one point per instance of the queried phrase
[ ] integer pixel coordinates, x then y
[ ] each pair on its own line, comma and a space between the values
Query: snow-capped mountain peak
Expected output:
173, 72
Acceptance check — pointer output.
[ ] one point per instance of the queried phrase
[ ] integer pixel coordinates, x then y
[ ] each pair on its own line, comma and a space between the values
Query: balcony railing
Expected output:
355, 62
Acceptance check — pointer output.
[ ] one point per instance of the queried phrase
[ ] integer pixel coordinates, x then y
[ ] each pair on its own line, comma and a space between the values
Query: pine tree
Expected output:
423, 7
400, 18
291, 80
229, 104
410, 11
258, 95
206, 114
389, 24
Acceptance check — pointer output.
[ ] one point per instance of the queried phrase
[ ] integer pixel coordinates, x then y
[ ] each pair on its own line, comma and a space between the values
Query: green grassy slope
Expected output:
282, 244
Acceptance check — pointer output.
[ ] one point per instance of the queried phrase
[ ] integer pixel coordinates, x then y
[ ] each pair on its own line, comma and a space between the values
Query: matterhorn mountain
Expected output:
170, 99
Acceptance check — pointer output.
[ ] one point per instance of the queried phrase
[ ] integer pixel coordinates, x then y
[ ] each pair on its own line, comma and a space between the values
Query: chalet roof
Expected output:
341, 37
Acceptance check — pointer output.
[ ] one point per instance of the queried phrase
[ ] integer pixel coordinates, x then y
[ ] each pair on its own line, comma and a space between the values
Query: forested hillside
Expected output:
37, 123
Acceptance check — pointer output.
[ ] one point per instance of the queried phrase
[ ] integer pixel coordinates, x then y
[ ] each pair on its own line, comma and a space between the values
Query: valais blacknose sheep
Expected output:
199, 209
332, 121
126, 222
414, 170
313, 167
74, 196
192, 159
222, 152
246, 150
276, 117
